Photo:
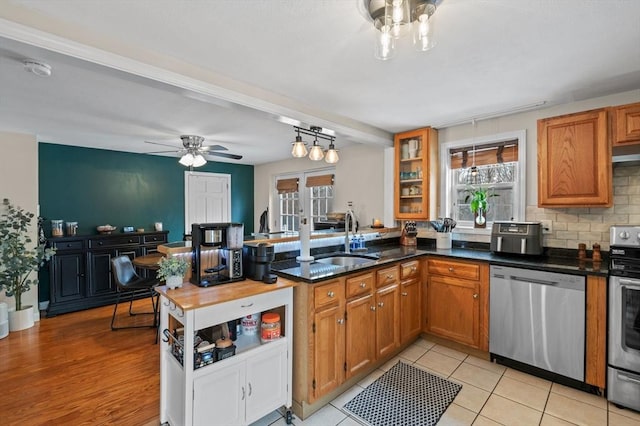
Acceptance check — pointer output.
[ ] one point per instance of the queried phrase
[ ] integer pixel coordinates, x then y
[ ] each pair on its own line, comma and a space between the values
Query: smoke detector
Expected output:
38, 68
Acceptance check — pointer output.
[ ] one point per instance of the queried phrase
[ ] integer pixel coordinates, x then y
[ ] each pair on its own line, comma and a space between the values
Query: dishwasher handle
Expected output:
533, 280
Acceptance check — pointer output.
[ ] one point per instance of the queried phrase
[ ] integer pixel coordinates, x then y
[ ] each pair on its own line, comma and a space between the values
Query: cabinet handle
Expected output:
68, 245
381, 304
363, 285
389, 277
250, 390
373, 308
475, 295
331, 294
100, 243
404, 293
341, 321
451, 269
242, 393
247, 306
413, 269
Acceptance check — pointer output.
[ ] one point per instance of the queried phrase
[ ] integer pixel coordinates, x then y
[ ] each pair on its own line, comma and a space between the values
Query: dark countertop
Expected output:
313, 272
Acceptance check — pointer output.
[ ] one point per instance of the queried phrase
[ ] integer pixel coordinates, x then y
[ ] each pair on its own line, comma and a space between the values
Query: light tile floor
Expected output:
491, 395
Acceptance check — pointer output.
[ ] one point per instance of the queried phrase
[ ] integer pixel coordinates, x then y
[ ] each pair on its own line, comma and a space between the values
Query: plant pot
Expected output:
174, 281
22, 319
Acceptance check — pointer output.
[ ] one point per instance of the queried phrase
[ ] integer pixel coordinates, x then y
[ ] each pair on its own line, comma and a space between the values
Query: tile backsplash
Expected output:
572, 226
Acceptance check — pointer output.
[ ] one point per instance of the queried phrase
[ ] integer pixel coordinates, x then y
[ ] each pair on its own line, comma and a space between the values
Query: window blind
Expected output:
321, 180
494, 153
285, 186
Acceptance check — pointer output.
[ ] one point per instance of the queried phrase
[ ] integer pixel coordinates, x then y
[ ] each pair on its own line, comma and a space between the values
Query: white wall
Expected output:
359, 177
19, 183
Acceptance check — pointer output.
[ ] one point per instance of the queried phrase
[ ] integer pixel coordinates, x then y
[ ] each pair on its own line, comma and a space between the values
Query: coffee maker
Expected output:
257, 262
216, 253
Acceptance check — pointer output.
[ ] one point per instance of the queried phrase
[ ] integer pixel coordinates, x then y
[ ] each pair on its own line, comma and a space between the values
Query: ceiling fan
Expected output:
193, 152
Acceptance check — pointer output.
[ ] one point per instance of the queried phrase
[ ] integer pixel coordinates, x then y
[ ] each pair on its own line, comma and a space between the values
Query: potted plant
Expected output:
172, 270
478, 204
18, 260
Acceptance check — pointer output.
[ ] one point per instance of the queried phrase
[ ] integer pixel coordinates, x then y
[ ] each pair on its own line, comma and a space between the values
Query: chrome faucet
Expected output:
352, 215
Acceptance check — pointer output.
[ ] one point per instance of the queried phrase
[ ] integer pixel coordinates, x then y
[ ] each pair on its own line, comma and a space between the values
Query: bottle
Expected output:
597, 256
270, 327
582, 251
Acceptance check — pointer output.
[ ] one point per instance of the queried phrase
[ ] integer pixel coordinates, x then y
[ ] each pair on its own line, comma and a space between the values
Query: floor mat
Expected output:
403, 396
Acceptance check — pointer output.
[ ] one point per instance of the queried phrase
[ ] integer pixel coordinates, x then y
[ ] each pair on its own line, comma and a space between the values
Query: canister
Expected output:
72, 228
57, 228
250, 324
270, 327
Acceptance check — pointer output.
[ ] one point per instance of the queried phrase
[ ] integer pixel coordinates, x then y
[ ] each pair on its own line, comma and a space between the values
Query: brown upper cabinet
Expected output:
574, 160
625, 121
416, 174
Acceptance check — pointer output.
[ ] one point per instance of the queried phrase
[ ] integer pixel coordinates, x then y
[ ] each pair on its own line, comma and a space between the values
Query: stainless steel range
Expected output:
623, 372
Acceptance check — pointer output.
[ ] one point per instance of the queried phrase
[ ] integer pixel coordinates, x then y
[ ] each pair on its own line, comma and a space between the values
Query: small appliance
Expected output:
257, 262
216, 253
517, 238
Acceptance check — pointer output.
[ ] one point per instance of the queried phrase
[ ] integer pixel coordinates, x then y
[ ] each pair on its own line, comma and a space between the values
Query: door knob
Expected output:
475, 295
331, 294
363, 285
381, 304
405, 294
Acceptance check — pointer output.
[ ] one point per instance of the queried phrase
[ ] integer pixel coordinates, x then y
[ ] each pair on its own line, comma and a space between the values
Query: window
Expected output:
496, 163
314, 198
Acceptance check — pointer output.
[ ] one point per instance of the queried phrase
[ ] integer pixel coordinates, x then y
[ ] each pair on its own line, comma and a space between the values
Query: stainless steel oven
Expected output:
623, 372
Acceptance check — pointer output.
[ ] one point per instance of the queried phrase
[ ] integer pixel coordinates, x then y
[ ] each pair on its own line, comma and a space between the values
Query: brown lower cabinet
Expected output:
457, 301
344, 327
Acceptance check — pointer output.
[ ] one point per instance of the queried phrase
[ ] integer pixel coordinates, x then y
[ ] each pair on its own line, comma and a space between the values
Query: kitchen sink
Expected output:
347, 260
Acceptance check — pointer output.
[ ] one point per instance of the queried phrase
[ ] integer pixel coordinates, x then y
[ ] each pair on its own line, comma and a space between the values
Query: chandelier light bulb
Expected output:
423, 38
331, 156
385, 45
299, 149
316, 153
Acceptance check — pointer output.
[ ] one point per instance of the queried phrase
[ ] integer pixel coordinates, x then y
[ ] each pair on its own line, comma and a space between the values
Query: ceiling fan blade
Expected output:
225, 155
164, 144
163, 152
213, 148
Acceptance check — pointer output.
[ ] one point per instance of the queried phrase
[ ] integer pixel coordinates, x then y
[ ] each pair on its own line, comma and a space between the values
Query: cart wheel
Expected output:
289, 417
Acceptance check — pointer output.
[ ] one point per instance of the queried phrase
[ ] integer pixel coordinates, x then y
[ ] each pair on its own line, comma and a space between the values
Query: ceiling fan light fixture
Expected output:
199, 160
187, 159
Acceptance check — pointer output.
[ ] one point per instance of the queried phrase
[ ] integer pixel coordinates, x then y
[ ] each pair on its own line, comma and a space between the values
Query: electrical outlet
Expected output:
547, 226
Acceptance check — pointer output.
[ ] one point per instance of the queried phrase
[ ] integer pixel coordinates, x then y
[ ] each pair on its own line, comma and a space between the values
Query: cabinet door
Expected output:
574, 161
387, 320
454, 309
328, 340
100, 279
219, 398
410, 310
67, 277
266, 382
360, 334
626, 124
416, 171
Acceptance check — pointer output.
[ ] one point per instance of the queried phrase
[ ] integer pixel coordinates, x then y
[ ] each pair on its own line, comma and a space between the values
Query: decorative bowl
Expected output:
106, 229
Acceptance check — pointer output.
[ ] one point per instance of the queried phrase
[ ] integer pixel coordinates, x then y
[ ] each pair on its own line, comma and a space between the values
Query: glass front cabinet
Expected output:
416, 172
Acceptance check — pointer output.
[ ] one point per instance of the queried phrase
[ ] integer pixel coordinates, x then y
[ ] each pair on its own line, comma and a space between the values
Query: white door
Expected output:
207, 198
266, 381
219, 398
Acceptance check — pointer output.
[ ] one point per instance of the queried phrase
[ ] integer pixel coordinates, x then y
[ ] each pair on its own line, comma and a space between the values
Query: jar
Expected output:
270, 329
250, 324
56, 228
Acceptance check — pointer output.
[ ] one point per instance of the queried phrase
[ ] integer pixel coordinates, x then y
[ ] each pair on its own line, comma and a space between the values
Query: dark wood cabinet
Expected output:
80, 271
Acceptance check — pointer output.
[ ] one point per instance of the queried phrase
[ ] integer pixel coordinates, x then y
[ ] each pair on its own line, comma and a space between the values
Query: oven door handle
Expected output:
626, 378
630, 283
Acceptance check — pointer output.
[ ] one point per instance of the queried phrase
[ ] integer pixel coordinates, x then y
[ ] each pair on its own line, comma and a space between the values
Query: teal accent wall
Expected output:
95, 187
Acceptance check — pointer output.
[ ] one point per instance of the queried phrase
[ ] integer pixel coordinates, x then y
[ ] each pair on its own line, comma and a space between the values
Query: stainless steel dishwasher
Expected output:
538, 318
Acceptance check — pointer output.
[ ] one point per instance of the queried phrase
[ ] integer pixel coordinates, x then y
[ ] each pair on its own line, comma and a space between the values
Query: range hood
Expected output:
625, 154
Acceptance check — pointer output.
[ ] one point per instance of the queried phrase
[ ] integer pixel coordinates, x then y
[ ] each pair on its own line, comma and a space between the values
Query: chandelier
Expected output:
316, 152
395, 19
193, 156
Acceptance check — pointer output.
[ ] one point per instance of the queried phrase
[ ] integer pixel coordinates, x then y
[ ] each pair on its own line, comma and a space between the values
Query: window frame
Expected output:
446, 186
304, 194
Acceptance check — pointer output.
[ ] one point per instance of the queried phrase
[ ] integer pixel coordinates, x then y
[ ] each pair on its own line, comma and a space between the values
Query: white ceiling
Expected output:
240, 72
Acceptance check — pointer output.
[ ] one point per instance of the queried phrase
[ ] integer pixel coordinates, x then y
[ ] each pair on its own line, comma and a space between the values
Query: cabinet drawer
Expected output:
115, 241
409, 269
386, 276
359, 285
451, 268
328, 294
157, 238
68, 245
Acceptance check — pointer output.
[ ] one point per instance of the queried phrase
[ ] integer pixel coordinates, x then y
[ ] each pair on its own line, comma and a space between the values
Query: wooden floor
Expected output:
73, 370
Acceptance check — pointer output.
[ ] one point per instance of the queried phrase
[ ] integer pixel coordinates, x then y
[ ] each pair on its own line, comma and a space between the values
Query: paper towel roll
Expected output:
305, 241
